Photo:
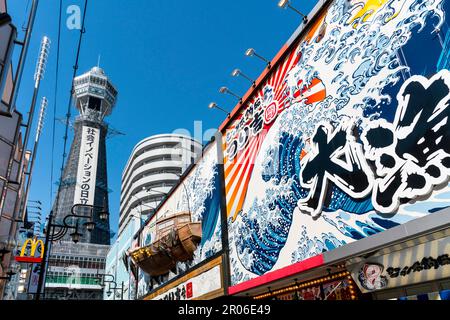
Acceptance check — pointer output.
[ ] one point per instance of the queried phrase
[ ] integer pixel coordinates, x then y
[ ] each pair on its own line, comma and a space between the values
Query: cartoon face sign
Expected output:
370, 276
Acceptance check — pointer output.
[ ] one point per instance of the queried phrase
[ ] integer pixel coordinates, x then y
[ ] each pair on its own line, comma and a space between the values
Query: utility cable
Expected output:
54, 100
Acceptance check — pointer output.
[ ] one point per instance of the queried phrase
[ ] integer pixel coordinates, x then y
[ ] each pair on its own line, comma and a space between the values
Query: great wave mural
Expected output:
348, 136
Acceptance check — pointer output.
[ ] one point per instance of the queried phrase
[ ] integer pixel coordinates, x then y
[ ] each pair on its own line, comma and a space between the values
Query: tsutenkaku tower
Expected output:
84, 179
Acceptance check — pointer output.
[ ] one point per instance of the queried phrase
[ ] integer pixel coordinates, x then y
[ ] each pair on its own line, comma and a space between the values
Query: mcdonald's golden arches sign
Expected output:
31, 257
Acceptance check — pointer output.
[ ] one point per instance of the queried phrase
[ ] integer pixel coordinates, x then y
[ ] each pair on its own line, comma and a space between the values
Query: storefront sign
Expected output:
29, 256
198, 284
425, 262
87, 166
195, 287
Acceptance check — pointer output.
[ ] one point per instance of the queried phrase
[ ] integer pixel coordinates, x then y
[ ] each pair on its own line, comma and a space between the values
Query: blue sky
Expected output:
167, 58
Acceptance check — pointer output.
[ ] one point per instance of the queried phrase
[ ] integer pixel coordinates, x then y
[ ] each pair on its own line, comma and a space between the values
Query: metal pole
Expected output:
40, 68
261, 57
44, 260
248, 78
292, 8
121, 298
35, 149
23, 54
221, 109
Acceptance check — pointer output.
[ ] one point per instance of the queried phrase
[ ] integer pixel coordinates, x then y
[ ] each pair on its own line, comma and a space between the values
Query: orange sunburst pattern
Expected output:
244, 136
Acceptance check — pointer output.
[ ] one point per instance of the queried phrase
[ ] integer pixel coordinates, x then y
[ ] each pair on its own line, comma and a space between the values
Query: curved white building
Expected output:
152, 170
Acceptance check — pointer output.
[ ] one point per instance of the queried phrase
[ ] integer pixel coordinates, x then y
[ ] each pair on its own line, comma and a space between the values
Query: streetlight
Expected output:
237, 72
214, 105
103, 215
225, 90
251, 52
75, 236
101, 279
51, 235
283, 4
90, 225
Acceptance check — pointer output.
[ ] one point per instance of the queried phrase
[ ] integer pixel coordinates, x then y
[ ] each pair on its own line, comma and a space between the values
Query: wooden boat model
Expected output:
176, 240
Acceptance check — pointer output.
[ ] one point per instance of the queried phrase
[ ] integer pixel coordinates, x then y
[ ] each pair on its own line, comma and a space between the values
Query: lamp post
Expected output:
225, 90
283, 4
51, 235
237, 72
102, 279
251, 52
214, 105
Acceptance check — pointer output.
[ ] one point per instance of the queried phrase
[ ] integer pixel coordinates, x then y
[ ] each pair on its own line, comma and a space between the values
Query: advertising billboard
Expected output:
346, 137
196, 203
200, 284
87, 166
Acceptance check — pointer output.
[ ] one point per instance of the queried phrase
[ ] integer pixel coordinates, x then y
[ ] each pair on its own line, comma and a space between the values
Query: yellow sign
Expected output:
31, 258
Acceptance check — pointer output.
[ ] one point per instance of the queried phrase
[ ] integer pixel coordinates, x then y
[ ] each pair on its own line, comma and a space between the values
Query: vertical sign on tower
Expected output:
87, 166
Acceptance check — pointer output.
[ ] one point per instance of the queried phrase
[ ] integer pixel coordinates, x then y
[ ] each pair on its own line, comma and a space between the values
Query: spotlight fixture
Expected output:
214, 105
251, 52
225, 90
237, 72
283, 4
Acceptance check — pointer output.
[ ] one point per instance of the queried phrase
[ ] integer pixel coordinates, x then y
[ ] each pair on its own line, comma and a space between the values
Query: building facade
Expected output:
153, 169
12, 170
73, 271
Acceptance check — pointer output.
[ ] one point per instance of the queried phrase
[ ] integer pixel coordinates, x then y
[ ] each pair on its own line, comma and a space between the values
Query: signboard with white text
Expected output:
425, 262
87, 166
202, 283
